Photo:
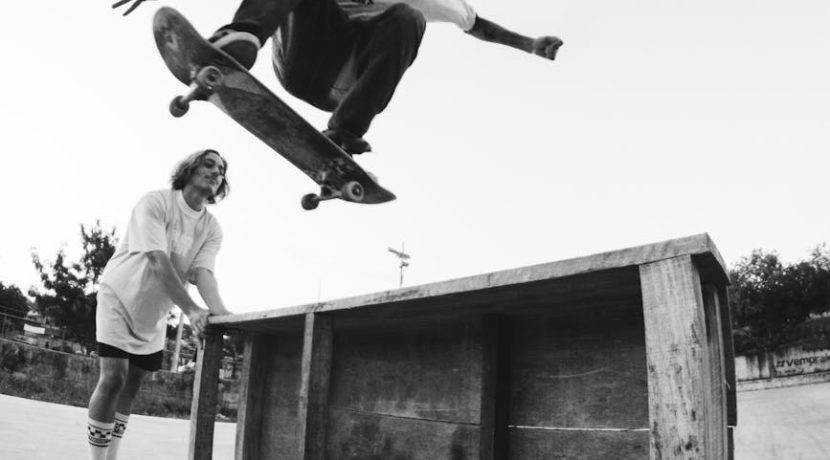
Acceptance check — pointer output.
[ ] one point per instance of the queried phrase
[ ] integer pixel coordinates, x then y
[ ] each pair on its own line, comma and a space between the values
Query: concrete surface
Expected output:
790, 423
34, 430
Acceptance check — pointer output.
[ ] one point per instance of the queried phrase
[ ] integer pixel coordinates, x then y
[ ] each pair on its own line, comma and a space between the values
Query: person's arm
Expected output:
545, 46
162, 267
209, 290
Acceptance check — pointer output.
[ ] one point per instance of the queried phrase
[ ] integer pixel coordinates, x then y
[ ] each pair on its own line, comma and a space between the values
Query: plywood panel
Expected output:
362, 436
583, 370
251, 406
395, 389
280, 421
538, 444
430, 372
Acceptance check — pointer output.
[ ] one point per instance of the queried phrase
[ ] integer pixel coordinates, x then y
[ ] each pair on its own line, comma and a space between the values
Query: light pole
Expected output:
404, 258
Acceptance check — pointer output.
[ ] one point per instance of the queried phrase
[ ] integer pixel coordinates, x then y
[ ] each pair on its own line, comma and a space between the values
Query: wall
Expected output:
788, 367
65, 378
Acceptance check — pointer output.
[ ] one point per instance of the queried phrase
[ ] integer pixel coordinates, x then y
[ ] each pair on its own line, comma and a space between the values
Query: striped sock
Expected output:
117, 433
99, 435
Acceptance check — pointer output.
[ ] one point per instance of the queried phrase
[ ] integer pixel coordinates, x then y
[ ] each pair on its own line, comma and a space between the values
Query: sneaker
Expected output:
242, 46
351, 144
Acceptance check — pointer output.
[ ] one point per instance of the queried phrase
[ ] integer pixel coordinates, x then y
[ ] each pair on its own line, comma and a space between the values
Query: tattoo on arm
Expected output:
494, 33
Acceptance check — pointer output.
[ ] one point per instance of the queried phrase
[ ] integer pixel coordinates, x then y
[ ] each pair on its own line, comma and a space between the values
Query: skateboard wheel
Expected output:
310, 201
179, 106
209, 77
353, 191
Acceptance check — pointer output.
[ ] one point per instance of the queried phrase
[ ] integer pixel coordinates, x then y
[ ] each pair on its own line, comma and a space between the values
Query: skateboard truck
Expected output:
203, 84
350, 191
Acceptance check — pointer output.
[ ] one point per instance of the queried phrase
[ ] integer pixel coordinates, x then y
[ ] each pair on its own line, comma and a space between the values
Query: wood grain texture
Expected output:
251, 400
535, 444
280, 435
716, 421
582, 359
698, 245
495, 387
586, 369
314, 387
205, 394
728, 358
368, 436
406, 392
677, 359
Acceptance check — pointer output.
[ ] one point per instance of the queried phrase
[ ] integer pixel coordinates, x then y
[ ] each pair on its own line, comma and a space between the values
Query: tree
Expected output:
13, 305
769, 300
70, 290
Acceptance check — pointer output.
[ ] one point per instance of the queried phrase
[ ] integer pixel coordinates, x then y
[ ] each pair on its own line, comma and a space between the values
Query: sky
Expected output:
658, 119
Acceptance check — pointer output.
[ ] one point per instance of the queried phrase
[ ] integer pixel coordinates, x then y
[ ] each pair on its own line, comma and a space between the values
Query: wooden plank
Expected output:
281, 397
368, 436
693, 245
714, 337
406, 392
205, 394
314, 388
251, 404
676, 359
729, 358
495, 388
605, 289
586, 369
538, 444
731, 443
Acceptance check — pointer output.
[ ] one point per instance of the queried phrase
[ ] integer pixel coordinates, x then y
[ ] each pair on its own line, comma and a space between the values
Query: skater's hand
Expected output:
198, 320
131, 8
547, 47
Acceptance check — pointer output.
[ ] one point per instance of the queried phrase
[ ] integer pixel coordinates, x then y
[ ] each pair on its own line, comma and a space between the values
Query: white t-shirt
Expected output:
458, 12
161, 220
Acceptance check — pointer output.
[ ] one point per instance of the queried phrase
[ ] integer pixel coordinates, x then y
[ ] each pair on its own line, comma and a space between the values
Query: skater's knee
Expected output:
133, 380
407, 19
112, 381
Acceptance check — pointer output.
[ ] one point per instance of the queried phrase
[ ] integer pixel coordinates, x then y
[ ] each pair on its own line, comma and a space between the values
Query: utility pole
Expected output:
404, 258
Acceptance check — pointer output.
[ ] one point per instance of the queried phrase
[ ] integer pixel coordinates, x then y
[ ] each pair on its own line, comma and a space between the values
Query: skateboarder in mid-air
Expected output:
347, 56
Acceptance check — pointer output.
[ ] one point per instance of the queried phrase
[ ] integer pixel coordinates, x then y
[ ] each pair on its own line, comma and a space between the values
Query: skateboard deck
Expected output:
214, 76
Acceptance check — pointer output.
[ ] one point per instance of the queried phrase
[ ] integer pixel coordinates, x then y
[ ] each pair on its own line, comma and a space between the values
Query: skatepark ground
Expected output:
776, 424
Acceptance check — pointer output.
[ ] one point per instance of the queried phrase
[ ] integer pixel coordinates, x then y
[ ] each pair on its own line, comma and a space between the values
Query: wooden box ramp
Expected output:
620, 355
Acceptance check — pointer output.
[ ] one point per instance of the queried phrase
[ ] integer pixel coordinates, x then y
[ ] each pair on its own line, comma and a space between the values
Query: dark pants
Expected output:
349, 65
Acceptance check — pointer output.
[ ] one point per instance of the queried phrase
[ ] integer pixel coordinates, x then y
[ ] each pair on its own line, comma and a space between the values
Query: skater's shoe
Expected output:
242, 46
351, 144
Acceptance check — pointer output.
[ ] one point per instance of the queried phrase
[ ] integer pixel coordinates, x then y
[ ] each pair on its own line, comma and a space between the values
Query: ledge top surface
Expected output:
695, 245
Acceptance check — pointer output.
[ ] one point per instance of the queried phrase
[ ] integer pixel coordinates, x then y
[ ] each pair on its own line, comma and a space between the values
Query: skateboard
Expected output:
214, 76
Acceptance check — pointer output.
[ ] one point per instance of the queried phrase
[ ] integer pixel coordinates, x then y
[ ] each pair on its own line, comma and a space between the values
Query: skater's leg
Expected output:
262, 17
123, 406
388, 45
254, 22
111, 381
102, 404
310, 50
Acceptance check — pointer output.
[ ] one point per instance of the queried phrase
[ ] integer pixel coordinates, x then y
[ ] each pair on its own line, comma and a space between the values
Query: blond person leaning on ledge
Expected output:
171, 239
